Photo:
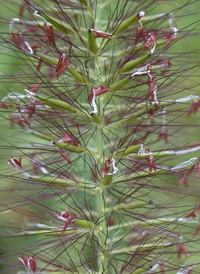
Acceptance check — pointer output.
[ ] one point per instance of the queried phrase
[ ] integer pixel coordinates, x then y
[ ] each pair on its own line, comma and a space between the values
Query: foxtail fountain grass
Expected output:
103, 170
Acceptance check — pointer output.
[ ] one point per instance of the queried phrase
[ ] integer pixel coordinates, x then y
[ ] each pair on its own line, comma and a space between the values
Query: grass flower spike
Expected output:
99, 110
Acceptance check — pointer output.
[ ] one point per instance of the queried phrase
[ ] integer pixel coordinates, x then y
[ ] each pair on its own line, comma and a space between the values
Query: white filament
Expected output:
171, 18
184, 164
152, 50
140, 71
14, 95
155, 89
153, 268
185, 271
175, 30
29, 47
181, 152
12, 21
141, 150
184, 220
38, 15
61, 218
94, 105
115, 169
188, 98
29, 92
141, 14
42, 168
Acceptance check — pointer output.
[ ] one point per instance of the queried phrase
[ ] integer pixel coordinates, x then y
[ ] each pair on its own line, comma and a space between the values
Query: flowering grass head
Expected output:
100, 106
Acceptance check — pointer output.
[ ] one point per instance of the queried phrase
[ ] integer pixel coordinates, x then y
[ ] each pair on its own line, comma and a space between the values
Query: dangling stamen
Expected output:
94, 102
115, 169
140, 15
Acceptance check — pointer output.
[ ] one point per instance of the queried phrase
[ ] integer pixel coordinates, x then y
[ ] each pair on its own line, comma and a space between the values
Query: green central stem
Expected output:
102, 259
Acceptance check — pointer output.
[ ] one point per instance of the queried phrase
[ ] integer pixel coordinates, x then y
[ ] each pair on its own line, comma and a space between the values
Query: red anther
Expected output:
150, 41
35, 87
150, 159
153, 39
15, 162
151, 88
152, 165
64, 217
194, 145
49, 35
149, 67
65, 157
63, 63
150, 81
163, 134
21, 10
30, 29
39, 64
197, 231
198, 168
191, 169
139, 34
10, 102
106, 168
23, 120
184, 178
101, 34
45, 29
162, 268
69, 138
164, 63
153, 111
31, 108
189, 271
182, 250
98, 90
29, 263
18, 40
194, 213
18, 107
111, 221
147, 150
195, 106
3, 105
59, 63
170, 36
14, 117
11, 118
34, 47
